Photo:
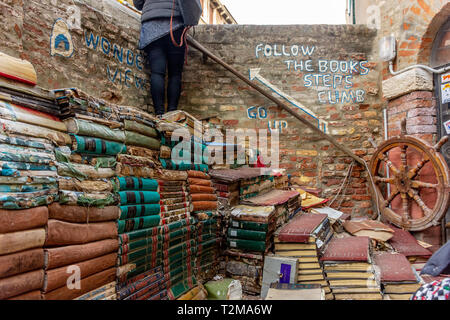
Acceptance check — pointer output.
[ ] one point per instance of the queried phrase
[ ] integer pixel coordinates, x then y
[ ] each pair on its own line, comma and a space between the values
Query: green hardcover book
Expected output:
138, 223
250, 225
258, 246
181, 288
133, 183
135, 211
247, 234
138, 197
98, 146
130, 236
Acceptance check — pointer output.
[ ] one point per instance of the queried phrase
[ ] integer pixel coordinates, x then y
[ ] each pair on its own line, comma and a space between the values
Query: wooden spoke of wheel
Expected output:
384, 180
405, 207
391, 197
415, 195
414, 171
403, 158
420, 184
391, 166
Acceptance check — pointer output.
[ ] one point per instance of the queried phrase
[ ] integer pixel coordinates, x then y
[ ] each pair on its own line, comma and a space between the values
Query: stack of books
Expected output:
404, 242
305, 238
251, 228
398, 278
349, 269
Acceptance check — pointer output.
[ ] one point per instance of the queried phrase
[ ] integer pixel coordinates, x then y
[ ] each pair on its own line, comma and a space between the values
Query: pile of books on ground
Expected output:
29, 132
349, 269
250, 233
398, 278
204, 208
404, 243
22, 237
305, 237
208, 246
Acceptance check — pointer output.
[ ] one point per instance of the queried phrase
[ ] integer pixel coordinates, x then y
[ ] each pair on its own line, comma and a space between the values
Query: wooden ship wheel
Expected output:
412, 182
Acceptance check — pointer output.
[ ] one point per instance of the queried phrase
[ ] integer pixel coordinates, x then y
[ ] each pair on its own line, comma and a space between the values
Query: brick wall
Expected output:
415, 24
209, 89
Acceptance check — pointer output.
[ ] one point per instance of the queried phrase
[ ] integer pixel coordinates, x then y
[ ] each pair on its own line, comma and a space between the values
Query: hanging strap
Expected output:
183, 39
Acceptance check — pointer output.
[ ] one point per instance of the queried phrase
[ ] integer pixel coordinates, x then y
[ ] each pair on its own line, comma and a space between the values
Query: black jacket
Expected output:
189, 10
153, 9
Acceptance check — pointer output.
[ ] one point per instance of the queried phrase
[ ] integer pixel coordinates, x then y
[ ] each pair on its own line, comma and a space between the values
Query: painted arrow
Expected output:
255, 74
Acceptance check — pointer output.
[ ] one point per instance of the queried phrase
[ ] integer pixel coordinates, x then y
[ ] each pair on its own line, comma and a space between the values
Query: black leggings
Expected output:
162, 55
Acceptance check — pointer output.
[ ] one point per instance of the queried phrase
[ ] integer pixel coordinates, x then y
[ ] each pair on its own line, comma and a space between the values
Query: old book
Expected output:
58, 277
294, 246
297, 253
333, 215
338, 250
21, 262
17, 69
308, 259
17, 112
323, 283
400, 296
404, 242
309, 265
90, 295
354, 282
21, 283
62, 256
347, 266
394, 268
86, 285
295, 292
358, 296
301, 229
369, 228
396, 274
310, 271
356, 290
63, 233
21, 240
18, 220
350, 275
401, 288
253, 214
311, 277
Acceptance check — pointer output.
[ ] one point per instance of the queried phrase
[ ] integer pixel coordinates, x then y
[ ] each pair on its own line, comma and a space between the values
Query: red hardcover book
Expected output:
301, 228
404, 242
354, 249
394, 267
